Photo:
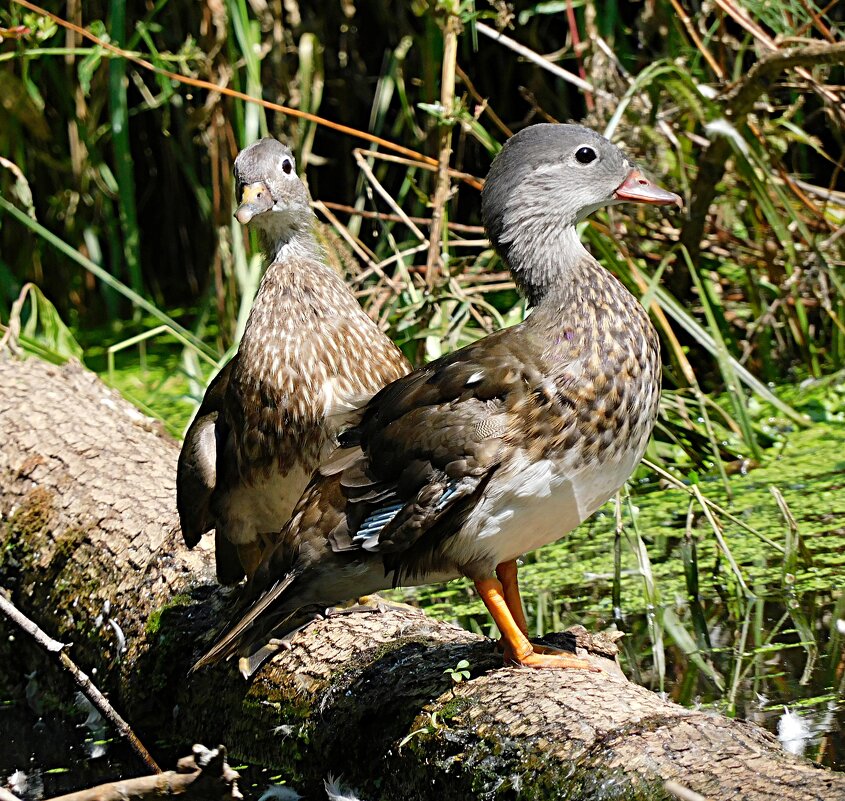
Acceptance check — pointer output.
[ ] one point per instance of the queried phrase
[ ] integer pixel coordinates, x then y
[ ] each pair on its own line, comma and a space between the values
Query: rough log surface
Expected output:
87, 500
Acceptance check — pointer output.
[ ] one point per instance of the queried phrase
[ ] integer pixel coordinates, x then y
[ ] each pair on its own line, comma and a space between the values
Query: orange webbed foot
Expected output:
518, 650
555, 661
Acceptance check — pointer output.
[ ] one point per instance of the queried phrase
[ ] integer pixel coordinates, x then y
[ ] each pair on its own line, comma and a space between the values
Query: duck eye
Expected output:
287, 166
584, 155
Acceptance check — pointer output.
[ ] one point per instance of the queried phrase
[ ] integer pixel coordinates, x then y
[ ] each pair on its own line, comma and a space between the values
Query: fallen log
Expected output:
87, 518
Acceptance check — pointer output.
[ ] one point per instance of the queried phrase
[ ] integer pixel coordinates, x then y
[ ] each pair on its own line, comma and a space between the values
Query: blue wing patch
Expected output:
368, 533
372, 525
446, 497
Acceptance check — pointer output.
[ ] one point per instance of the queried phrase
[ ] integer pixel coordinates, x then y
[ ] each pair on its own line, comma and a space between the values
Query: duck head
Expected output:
270, 195
545, 180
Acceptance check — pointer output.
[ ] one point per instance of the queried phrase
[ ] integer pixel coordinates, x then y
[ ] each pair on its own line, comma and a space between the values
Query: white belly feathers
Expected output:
531, 504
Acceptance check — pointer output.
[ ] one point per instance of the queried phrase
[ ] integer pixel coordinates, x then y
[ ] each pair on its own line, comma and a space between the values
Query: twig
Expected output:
434, 261
705, 501
467, 178
83, 682
682, 793
741, 99
822, 13
361, 160
696, 39
380, 215
738, 103
535, 58
817, 21
488, 109
225, 90
206, 774
576, 48
740, 15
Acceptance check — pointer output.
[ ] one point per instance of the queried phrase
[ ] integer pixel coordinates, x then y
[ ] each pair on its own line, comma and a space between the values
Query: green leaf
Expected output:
44, 334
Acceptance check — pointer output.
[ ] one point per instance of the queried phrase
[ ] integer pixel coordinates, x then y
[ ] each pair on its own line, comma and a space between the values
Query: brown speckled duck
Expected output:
309, 358
499, 448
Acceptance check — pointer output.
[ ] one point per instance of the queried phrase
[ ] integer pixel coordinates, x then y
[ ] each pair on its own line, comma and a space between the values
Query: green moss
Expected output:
454, 706
153, 623
65, 546
25, 526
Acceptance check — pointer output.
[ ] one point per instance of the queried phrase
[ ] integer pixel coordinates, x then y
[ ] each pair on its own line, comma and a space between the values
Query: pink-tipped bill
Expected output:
638, 188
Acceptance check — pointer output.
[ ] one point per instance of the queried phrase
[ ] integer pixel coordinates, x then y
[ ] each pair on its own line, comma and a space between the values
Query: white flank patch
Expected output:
530, 504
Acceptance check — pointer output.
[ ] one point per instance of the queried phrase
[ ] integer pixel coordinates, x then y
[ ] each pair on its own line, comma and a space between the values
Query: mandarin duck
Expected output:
498, 448
309, 358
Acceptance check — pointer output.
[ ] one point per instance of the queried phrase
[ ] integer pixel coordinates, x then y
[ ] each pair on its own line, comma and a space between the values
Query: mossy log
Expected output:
87, 515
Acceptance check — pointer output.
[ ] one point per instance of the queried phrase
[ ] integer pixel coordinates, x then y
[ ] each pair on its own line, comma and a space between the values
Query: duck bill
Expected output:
255, 200
637, 188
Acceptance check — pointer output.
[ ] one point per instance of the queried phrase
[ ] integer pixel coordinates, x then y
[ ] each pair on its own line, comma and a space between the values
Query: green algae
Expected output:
153, 623
21, 531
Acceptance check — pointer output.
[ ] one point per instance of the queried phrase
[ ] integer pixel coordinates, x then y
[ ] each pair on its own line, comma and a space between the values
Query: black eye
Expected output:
585, 155
287, 166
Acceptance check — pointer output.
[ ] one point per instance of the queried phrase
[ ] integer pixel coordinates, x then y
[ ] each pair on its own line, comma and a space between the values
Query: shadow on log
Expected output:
87, 515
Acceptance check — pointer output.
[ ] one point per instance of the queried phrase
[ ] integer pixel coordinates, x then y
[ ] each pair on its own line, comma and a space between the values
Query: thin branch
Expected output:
686, 21
225, 90
83, 682
488, 109
467, 178
682, 793
741, 99
206, 774
361, 160
434, 261
738, 103
380, 215
535, 58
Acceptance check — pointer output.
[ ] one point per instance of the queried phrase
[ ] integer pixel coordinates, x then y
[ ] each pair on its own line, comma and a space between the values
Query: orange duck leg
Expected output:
518, 649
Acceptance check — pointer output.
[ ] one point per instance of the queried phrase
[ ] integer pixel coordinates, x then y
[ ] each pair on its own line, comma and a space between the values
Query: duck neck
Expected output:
547, 264
288, 236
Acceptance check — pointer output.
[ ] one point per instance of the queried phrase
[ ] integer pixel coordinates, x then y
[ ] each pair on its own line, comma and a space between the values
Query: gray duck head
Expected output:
270, 195
546, 179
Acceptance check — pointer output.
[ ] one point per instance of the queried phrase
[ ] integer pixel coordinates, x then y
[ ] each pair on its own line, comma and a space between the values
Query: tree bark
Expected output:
87, 515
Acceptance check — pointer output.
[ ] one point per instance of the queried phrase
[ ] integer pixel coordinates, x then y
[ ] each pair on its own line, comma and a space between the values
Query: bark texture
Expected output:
87, 515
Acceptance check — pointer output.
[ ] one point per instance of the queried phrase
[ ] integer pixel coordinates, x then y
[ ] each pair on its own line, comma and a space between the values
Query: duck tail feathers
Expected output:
230, 642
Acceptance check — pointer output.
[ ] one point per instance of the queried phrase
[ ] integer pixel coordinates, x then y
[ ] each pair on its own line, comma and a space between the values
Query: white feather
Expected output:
336, 792
279, 792
722, 127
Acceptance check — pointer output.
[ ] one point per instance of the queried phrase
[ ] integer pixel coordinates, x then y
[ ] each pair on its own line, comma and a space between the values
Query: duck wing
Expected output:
427, 446
197, 469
